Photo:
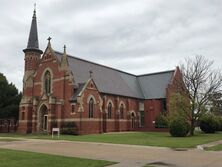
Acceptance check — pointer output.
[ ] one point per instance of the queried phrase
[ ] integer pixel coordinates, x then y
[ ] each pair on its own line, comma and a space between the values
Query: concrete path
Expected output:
211, 144
127, 155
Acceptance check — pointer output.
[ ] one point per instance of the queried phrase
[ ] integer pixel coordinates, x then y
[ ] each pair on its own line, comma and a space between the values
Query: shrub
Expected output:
69, 128
161, 121
209, 123
54, 124
220, 123
179, 127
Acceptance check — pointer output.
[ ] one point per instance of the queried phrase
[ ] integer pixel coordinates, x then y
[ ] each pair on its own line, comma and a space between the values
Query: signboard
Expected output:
57, 131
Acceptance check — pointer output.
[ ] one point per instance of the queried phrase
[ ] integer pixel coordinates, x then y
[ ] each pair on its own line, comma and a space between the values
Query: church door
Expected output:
43, 118
45, 123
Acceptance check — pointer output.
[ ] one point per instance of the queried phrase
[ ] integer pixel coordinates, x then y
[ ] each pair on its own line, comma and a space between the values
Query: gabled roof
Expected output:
113, 81
154, 85
77, 92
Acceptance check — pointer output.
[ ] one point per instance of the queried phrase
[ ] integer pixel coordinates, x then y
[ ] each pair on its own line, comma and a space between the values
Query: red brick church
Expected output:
58, 87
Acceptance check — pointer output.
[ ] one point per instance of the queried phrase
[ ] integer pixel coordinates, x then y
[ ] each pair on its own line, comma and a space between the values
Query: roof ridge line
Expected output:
154, 73
160, 72
97, 64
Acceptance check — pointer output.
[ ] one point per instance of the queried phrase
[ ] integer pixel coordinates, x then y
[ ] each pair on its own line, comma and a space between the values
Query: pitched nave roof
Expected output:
112, 81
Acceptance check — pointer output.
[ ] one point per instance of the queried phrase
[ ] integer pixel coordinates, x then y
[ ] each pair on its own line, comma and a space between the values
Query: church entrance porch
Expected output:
43, 119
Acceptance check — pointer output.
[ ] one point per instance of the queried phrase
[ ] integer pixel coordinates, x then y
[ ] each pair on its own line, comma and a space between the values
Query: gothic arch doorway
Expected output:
43, 118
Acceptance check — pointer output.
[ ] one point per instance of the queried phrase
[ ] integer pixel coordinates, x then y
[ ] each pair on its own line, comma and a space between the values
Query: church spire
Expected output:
33, 43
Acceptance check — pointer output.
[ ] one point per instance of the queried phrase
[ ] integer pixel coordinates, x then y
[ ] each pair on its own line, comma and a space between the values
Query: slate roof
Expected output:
154, 85
79, 89
113, 81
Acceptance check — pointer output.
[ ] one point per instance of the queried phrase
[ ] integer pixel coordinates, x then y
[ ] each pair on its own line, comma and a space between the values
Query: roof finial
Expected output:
64, 49
49, 41
64, 60
49, 38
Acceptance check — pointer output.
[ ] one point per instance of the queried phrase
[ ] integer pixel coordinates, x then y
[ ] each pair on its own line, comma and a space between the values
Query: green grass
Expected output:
215, 148
8, 139
11, 158
160, 139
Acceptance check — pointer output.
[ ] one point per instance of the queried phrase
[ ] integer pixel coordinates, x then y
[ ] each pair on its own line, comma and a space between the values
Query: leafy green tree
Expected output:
9, 99
180, 107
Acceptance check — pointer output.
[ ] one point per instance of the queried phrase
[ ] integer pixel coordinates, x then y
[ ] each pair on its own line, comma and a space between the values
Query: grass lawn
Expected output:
148, 165
161, 139
215, 148
11, 158
8, 139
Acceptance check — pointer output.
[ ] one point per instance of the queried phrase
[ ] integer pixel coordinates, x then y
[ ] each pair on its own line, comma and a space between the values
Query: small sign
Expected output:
55, 130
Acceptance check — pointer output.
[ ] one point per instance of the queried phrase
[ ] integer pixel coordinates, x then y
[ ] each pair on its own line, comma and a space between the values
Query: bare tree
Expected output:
201, 82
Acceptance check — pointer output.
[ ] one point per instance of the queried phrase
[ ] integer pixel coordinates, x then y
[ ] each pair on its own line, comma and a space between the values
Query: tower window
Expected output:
47, 82
91, 108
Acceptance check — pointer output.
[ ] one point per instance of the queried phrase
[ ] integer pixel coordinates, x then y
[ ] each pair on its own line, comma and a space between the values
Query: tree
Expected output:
9, 99
216, 104
179, 106
201, 82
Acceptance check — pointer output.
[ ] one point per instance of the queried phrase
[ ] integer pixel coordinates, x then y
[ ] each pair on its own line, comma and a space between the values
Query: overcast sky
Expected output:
137, 36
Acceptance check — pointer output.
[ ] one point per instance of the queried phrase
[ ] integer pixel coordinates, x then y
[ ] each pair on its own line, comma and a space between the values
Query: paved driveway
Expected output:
127, 155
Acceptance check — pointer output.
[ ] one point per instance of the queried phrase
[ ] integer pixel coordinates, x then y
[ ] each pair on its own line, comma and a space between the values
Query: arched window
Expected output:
121, 111
47, 82
133, 120
91, 107
109, 110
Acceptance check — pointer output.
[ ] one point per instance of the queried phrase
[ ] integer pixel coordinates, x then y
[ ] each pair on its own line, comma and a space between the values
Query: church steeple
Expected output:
33, 43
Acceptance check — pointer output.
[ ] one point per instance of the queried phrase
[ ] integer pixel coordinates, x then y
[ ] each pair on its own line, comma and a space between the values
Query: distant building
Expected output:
59, 88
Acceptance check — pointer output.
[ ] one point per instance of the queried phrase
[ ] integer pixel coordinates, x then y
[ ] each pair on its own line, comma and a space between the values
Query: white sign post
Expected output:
56, 130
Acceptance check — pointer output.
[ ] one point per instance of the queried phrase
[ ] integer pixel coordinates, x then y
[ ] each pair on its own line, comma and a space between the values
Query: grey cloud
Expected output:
135, 36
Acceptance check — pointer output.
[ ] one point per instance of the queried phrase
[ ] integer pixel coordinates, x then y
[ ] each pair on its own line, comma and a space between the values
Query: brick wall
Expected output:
59, 107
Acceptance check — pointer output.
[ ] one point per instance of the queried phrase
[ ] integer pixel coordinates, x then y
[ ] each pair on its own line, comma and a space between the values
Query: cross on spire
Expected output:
34, 12
34, 6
